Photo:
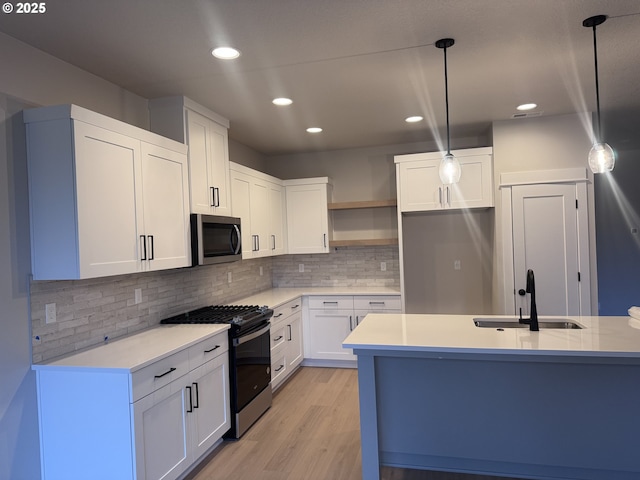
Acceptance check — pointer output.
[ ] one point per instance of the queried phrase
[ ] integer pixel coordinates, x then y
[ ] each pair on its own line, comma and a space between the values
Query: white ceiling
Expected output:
356, 68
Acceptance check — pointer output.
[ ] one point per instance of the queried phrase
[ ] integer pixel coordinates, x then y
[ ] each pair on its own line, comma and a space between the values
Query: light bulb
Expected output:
450, 169
602, 158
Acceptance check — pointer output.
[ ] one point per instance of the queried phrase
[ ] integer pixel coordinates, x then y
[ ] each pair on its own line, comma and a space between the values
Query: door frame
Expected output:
586, 261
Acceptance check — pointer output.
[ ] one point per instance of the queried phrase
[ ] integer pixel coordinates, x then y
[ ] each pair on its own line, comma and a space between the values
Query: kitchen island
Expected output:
438, 393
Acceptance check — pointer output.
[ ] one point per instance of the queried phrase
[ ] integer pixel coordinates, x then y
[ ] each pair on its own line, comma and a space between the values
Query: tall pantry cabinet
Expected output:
105, 197
206, 134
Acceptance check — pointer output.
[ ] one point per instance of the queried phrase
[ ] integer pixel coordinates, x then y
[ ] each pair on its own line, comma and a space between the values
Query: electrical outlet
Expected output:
261, 272
138, 296
456, 265
383, 266
228, 277
50, 313
301, 267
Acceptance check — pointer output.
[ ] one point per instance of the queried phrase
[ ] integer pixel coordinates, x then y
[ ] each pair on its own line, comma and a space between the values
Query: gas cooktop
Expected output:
242, 318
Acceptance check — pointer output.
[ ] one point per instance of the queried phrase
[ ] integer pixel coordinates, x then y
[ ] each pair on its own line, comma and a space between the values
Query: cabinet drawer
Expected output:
159, 374
286, 309
208, 349
332, 302
377, 303
277, 336
278, 367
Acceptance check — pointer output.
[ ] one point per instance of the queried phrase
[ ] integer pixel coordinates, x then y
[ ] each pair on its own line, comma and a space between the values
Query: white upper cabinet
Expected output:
106, 198
258, 199
205, 132
420, 189
308, 221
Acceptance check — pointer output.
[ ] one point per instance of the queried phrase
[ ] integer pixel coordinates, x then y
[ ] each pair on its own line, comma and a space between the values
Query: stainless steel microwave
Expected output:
215, 239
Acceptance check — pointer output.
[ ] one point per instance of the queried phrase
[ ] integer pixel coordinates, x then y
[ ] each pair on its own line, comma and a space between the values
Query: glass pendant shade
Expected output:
602, 158
450, 170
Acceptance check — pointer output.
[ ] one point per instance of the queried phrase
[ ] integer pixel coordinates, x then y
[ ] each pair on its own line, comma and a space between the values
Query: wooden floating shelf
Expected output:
363, 242
364, 204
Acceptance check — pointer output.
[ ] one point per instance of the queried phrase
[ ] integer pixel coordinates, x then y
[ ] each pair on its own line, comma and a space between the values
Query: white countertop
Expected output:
277, 296
139, 350
617, 337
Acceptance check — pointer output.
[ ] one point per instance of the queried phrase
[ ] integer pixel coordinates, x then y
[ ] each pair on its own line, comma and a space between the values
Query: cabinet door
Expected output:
277, 240
166, 207
220, 168
475, 186
211, 412
241, 201
420, 186
208, 165
294, 346
109, 201
199, 142
307, 218
161, 433
327, 331
260, 218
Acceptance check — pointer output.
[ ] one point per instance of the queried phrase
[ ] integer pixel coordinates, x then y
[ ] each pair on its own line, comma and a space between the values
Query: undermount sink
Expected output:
557, 323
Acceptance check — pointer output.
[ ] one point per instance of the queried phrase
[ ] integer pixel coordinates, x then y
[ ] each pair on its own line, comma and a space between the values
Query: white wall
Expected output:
30, 77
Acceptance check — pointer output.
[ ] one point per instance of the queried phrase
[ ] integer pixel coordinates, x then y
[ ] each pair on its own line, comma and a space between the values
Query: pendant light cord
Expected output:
446, 98
595, 60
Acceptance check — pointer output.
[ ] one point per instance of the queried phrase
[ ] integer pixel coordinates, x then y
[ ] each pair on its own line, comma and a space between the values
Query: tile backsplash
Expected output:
90, 311
342, 267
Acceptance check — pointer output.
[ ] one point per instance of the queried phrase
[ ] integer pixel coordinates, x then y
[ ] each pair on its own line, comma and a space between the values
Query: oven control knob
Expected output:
269, 370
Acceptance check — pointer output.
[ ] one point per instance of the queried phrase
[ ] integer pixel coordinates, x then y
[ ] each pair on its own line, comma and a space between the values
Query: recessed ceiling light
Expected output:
225, 53
282, 101
314, 129
526, 106
415, 118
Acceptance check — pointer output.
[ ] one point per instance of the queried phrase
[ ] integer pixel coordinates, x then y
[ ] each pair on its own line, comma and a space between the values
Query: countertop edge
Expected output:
67, 362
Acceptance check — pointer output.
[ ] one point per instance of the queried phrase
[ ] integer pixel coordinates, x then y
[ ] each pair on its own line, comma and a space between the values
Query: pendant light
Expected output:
601, 156
450, 170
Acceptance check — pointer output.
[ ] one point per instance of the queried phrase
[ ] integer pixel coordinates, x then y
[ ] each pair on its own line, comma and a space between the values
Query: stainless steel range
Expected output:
249, 358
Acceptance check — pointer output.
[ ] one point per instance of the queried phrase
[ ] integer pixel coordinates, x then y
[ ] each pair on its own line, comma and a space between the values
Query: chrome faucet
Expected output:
531, 290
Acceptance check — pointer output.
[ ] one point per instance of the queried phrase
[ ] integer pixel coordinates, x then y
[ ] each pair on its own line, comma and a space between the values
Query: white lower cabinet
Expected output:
151, 424
160, 421
330, 319
286, 341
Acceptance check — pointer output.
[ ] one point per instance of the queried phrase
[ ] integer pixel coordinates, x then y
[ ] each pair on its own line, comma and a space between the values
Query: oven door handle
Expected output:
247, 338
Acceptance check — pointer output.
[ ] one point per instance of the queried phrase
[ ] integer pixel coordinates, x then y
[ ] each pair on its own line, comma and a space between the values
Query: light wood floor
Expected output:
311, 432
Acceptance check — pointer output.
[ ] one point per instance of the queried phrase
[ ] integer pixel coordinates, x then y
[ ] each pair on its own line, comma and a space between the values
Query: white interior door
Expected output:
545, 239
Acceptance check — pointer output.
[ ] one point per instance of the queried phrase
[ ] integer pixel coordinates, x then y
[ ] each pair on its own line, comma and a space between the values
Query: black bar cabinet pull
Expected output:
279, 368
277, 338
197, 404
190, 409
144, 247
216, 197
290, 337
172, 369
152, 255
213, 196
212, 349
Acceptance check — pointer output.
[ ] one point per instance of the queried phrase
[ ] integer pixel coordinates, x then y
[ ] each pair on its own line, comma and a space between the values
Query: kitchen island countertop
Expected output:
600, 336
